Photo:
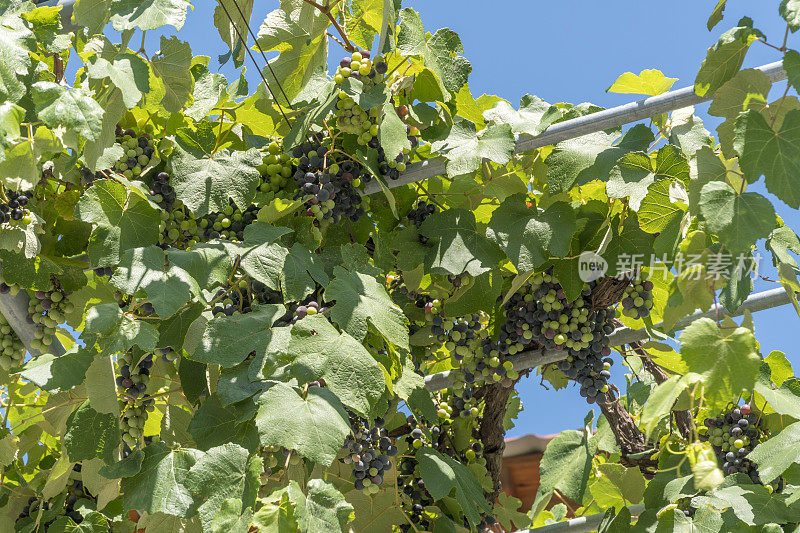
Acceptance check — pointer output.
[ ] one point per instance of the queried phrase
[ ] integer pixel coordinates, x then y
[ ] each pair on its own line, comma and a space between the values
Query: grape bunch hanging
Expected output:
638, 298
132, 380
368, 449
48, 309
733, 435
56, 513
138, 153
276, 170
540, 314
13, 350
13, 210
243, 295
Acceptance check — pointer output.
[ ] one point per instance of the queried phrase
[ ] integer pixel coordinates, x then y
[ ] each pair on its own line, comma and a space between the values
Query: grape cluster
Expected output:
369, 450
133, 378
139, 152
13, 350
13, 210
309, 308
242, 296
162, 192
63, 505
359, 66
540, 313
228, 224
88, 177
103, 271
638, 299
47, 309
8, 288
328, 185
178, 227
733, 435
276, 170
351, 118
418, 215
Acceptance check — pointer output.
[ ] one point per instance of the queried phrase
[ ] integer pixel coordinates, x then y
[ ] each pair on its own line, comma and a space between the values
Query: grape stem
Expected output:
326, 10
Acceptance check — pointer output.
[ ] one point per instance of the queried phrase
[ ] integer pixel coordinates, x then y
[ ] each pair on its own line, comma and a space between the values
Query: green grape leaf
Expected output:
362, 302
216, 476
100, 386
630, 178
317, 428
10, 117
614, 522
650, 82
214, 424
45, 21
16, 42
276, 30
716, 15
783, 399
527, 120
319, 351
773, 154
104, 431
725, 58
229, 30
209, 264
625, 245
392, 132
93, 522
776, 455
738, 219
73, 109
167, 286
374, 514
443, 475
790, 11
728, 361
159, 486
124, 218
172, 65
566, 465
115, 331
687, 133
780, 367
105, 152
752, 504
321, 508
507, 513
529, 238
210, 89
458, 244
53, 373
465, 149
590, 157
92, 14
439, 52
129, 72
206, 184
658, 208
148, 14
747, 89
227, 341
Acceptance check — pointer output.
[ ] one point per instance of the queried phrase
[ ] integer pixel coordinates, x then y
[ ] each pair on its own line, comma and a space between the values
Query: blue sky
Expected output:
571, 51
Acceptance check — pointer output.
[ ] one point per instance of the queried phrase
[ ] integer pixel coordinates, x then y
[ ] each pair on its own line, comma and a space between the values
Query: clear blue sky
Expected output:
571, 51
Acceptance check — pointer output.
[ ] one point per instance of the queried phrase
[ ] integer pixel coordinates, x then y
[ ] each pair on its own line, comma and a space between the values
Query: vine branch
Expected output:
326, 10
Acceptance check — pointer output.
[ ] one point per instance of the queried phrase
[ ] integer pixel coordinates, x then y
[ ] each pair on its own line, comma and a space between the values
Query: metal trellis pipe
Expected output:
533, 358
577, 127
583, 524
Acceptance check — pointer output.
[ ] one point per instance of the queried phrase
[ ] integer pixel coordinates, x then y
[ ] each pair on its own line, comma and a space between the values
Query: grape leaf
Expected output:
73, 109
629, 242
392, 132
53, 373
776, 455
739, 219
528, 119
360, 302
443, 474
10, 117
220, 474
650, 82
465, 149
214, 425
100, 386
566, 464
752, 504
790, 11
318, 351
581, 160
657, 209
457, 244
725, 58
104, 431
773, 154
374, 514
124, 218
148, 14
115, 331
16, 42
529, 237
227, 341
92, 14
206, 184
439, 52
716, 15
317, 428
93, 522
780, 367
229, 30
729, 361
172, 66
210, 89
159, 486
129, 72
322, 508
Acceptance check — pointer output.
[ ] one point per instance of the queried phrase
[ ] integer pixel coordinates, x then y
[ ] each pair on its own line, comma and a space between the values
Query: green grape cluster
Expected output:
178, 227
133, 376
47, 309
276, 171
13, 350
70, 504
359, 66
243, 295
638, 298
229, 223
139, 152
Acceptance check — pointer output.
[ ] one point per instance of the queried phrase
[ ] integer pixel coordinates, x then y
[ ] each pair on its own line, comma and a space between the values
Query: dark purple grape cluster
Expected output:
88, 177
134, 375
423, 209
13, 210
733, 435
162, 192
369, 449
540, 315
104, 271
242, 297
327, 184
51, 510
638, 298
